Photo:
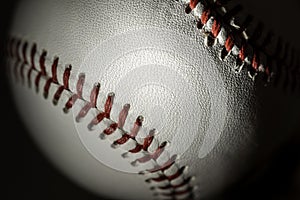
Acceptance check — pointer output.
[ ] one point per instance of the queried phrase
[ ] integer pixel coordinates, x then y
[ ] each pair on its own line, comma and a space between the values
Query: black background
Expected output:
28, 174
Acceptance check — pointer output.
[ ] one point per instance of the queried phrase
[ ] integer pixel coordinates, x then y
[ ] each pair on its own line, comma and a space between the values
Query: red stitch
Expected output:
205, 16
47, 87
108, 104
74, 97
242, 53
54, 70
66, 77
165, 166
229, 43
136, 149
133, 133
216, 27
105, 114
97, 120
255, 61
153, 156
42, 63
112, 128
123, 139
54, 75
147, 142
123, 115
136, 127
83, 112
79, 85
57, 95
163, 177
94, 95
92, 104
193, 4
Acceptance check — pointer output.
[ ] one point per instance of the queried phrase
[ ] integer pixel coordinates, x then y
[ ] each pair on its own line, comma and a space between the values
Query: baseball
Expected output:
156, 99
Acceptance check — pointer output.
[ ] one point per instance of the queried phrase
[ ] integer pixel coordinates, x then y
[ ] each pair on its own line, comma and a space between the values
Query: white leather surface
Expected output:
199, 95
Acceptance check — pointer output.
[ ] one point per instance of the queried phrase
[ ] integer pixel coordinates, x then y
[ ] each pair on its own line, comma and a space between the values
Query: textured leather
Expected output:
151, 55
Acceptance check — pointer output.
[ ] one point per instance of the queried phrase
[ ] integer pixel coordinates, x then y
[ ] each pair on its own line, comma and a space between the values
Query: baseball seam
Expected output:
279, 66
167, 180
232, 39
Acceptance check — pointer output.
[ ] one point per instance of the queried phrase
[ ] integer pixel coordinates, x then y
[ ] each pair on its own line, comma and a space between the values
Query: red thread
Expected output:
112, 128
229, 43
169, 178
47, 87
91, 104
165, 166
123, 115
78, 94
242, 53
147, 142
66, 77
205, 16
106, 114
41, 72
255, 62
15, 52
54, 70
154, 155
42, 63
193, 4
216, 27
123, 139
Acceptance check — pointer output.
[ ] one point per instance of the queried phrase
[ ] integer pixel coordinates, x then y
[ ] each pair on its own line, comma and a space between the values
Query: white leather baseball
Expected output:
194, 119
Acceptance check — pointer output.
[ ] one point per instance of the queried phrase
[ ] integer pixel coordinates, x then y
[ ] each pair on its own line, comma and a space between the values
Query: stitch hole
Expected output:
209, 40
188, 9
223, 53
199, 25
239, 64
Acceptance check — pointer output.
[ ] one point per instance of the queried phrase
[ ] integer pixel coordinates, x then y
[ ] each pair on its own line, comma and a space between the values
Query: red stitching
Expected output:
90, 104
235, 37
77, 95
42, 63
42, 73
